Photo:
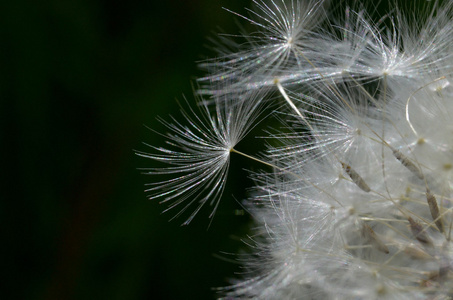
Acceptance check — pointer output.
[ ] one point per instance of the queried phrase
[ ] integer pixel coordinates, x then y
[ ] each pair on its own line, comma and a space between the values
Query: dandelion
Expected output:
358, 201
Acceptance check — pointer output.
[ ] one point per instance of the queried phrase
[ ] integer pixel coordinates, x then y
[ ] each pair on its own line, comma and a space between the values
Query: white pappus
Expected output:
357, 200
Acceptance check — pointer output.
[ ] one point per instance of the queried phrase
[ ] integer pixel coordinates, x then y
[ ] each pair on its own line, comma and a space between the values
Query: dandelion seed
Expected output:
419, 232
369, 234
356, 178
391, 48
284, 32
407, 163
434, 209
200, 166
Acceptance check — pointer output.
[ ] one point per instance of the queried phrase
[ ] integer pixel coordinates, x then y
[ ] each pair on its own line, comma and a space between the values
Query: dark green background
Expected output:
78, 80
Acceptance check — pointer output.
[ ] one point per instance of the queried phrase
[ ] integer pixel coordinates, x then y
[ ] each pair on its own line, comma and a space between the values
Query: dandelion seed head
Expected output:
356, 201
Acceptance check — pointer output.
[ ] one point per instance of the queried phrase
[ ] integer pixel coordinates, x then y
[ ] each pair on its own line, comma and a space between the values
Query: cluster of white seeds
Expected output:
357, 199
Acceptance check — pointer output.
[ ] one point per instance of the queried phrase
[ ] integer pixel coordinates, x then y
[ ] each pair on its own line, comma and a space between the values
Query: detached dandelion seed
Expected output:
201, 160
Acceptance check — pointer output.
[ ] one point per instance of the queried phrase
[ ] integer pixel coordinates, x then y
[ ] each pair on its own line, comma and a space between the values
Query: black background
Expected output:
78, 82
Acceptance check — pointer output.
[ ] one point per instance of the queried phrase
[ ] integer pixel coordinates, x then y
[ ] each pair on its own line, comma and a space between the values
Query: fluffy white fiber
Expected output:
357, 200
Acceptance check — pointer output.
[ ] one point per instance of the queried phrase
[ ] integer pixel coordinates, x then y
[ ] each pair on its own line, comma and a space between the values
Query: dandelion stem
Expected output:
286, 171
291, 103
256, 159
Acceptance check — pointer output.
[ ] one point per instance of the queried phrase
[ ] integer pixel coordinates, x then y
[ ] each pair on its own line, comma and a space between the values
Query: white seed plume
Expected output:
276, 49
358, 202
199, 156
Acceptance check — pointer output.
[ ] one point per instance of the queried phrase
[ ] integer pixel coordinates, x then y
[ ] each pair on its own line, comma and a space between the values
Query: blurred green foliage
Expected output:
78, 80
